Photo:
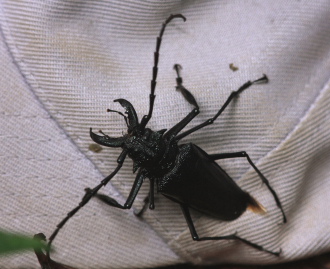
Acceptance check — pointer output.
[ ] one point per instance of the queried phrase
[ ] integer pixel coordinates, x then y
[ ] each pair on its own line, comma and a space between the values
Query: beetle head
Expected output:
144, 146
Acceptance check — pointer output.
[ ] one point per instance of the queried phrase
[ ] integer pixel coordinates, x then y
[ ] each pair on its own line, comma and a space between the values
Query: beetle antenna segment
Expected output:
152, 95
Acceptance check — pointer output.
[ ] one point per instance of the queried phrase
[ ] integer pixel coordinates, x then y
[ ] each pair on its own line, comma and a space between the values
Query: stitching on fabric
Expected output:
302, 119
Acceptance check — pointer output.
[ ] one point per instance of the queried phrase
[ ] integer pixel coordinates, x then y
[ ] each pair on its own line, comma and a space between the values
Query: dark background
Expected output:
318, 262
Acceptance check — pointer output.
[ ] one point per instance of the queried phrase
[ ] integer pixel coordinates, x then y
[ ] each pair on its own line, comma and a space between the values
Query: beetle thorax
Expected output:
145, 149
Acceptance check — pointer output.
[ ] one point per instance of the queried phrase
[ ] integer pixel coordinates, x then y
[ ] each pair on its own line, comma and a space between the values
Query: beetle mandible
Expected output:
184, 173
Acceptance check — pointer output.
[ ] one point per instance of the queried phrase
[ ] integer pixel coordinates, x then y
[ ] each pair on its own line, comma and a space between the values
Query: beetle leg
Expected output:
190, 98
86, 198
186, 94
148, 200
195, 236
246, 85
144, 208
263, 178
181, 124
131, 197
152, 194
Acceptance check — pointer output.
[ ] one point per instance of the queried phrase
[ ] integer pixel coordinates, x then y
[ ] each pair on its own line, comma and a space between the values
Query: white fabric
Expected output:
62, 64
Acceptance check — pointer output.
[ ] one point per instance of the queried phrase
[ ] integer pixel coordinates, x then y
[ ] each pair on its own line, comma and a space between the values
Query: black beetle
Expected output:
184, 173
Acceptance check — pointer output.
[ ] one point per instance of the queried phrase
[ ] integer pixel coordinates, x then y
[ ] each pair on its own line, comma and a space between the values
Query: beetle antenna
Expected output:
152, 95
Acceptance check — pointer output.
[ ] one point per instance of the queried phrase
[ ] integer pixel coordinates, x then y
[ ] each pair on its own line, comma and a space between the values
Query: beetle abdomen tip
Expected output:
256, 207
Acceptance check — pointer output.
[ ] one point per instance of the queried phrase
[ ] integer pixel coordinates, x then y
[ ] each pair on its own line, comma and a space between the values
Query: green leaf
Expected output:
10, 242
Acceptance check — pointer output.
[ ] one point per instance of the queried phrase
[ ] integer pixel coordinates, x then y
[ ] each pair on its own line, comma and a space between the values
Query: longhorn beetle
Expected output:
184, 173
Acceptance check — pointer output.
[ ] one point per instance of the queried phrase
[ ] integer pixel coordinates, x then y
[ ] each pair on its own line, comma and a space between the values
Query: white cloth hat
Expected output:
64, 62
